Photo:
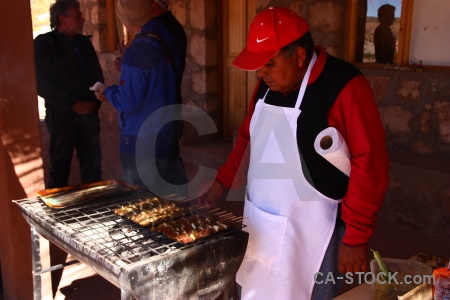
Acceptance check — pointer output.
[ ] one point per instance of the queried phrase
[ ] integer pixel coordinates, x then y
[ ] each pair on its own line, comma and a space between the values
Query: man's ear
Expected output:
301, 56
62, 21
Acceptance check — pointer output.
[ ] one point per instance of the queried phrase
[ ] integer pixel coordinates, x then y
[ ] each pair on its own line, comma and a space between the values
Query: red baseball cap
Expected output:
271, 29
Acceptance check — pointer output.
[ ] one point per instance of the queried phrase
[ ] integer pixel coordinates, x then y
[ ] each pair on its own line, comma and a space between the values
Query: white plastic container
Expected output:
411, 278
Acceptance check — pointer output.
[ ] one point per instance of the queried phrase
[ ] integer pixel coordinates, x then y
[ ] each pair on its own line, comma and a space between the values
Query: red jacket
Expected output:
360, 125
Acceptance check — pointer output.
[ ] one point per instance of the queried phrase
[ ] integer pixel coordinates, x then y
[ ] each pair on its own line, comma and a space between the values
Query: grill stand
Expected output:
38, 271
201, 272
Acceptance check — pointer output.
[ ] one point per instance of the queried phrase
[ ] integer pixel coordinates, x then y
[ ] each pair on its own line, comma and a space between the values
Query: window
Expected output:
381, 32
407, 32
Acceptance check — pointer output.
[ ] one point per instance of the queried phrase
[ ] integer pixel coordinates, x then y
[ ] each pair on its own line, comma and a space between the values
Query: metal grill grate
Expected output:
144, 264
94, 229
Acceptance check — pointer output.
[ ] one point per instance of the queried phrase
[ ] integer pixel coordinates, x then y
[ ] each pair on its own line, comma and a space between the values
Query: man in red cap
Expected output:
308, 222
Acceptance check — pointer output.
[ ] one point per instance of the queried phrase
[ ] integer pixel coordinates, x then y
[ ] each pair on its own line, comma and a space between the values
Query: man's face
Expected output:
283, 72
72, 23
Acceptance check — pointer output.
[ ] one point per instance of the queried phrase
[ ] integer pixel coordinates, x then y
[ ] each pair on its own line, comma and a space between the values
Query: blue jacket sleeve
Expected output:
127, 97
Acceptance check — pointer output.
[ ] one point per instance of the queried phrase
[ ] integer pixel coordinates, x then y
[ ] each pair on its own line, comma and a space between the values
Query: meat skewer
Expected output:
152, 211
192, 228
182, 224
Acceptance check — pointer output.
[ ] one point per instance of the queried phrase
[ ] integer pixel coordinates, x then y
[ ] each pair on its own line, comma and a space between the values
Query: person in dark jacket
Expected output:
148, 97
66, 66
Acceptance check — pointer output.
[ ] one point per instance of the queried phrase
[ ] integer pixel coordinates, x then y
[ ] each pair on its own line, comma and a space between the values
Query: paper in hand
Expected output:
96, 86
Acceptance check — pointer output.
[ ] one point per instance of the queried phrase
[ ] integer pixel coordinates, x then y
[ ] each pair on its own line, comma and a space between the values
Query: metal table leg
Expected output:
124, 294
36, 263
37, 270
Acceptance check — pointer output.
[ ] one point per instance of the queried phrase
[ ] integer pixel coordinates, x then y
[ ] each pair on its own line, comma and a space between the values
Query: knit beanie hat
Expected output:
134, 13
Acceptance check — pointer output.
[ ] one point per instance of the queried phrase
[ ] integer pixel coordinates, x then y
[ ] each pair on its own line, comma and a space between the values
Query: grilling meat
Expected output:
152, 211
133, 208
175, 222
189, 229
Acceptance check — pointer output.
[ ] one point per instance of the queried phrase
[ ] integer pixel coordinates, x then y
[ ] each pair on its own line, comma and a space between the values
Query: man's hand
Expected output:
209, 192
353, 259
99, 94
84, 107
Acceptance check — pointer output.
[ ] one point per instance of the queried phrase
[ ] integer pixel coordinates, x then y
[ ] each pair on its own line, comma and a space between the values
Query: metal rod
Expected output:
36, 262
59, 266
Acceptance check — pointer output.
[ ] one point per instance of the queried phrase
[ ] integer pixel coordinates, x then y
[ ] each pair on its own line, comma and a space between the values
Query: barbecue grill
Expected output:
144, 264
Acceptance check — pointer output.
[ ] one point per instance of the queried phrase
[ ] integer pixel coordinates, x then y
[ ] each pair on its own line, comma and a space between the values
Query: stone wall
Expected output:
415, 110
200, 86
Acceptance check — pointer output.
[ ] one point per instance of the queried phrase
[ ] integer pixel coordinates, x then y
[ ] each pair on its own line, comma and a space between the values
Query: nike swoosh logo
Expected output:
260, 40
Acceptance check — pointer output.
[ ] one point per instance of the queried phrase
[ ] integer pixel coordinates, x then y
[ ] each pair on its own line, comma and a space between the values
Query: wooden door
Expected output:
238, 85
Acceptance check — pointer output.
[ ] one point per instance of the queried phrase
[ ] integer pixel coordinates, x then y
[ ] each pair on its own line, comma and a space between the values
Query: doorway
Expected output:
237, 85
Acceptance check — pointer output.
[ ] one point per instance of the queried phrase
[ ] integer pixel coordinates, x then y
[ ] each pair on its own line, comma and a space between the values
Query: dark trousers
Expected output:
68, 132
330, 265
163, 175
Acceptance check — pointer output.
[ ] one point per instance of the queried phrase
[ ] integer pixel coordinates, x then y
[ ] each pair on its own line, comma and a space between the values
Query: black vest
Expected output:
318, 100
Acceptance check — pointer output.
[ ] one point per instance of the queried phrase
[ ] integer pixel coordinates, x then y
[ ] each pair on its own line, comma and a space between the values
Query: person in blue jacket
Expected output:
148, 97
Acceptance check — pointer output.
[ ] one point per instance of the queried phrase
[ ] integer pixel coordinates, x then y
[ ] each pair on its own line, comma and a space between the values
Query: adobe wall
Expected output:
21, 173
415, 110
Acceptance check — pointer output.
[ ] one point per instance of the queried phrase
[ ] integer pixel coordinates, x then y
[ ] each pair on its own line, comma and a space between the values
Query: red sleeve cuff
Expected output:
355, 237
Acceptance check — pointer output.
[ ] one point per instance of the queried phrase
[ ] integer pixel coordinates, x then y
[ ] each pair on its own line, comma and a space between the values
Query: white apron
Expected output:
289, 222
